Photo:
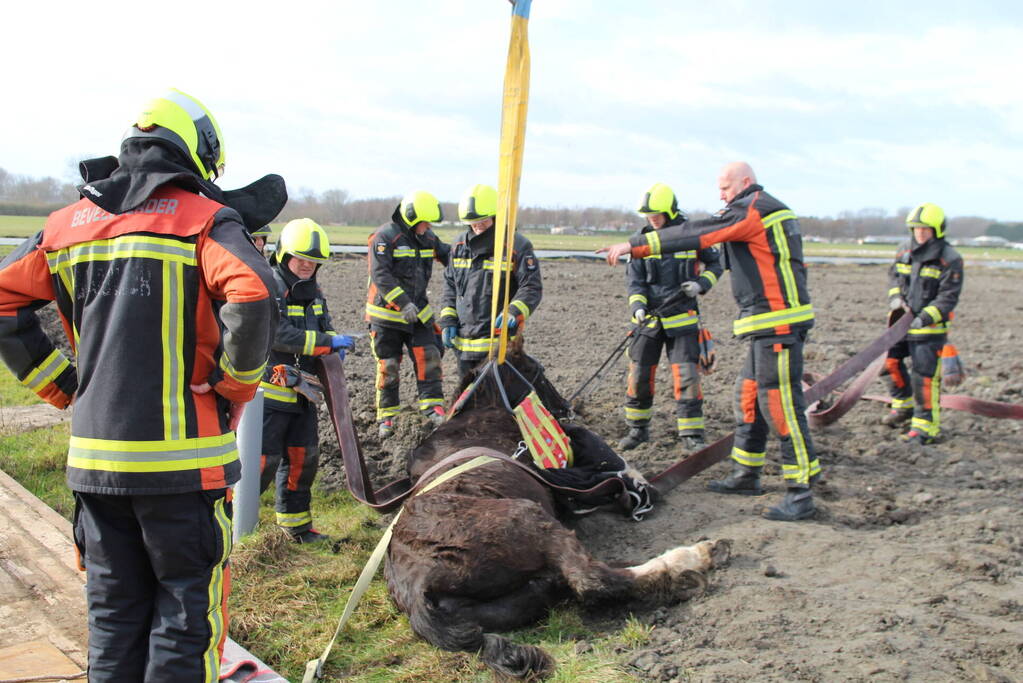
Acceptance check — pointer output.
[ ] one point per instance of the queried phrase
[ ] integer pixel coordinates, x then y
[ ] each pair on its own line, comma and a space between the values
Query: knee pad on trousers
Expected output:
387, 372
687, 381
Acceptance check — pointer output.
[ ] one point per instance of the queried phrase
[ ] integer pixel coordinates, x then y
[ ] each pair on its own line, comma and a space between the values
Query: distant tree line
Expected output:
22, 195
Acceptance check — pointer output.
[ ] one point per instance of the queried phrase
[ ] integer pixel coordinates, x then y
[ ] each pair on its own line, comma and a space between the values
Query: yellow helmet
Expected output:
184, 122
659, 199
927, 215
419, 206
479, 202
304, 238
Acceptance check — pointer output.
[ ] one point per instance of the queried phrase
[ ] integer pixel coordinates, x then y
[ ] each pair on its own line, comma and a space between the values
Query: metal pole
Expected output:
250, 445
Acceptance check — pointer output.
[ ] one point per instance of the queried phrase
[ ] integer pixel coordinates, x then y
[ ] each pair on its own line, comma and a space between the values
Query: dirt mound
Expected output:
912, 569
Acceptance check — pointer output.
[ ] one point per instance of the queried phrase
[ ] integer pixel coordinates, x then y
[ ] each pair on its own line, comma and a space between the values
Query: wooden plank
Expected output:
34, 658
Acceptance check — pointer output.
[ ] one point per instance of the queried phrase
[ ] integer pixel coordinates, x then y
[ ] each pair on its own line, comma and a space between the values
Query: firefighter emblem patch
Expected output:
530, 262
381, 248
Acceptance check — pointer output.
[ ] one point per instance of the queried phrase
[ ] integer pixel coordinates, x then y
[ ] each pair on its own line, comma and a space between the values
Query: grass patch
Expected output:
36, 459
13, 392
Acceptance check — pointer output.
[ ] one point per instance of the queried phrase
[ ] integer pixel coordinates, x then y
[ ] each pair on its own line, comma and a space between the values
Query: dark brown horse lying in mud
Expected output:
485, 551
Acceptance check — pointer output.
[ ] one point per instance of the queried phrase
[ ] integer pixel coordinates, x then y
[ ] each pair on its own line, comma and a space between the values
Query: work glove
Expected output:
917, 323
410, 314
692, 289
639, 316
303, 382
896, 303
342, 341
449, 336
513, 322
708, 360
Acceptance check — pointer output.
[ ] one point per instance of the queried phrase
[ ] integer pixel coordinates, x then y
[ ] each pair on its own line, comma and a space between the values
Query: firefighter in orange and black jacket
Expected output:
401, 256
169, 309
925, 281
651, 280
291, 444
764, 252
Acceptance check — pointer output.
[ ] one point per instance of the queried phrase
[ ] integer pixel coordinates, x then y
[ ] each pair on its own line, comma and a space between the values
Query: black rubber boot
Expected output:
743, 481
897, 417
797, 504
691, 443
635, 437
310, 536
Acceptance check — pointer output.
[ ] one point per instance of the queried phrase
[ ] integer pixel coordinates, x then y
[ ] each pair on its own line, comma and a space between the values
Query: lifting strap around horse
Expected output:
389, 497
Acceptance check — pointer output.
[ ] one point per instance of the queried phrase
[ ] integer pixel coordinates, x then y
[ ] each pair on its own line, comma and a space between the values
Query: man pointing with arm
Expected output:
764, 251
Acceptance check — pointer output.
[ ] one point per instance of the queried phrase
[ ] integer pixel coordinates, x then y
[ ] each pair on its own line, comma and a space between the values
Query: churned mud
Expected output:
913, 569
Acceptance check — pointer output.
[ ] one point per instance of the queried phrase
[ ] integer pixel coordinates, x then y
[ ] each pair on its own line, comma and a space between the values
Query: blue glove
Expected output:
449, 336
342, 341
341, 354
512, 324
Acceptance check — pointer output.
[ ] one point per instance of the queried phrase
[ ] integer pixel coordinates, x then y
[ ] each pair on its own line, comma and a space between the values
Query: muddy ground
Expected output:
913, 569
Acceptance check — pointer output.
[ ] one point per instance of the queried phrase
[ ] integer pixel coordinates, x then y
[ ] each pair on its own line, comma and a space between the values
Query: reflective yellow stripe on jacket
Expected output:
167, 455
275, 392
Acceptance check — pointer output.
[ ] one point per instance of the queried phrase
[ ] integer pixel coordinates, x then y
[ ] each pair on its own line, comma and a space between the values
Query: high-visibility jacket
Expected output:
400, 266
929, 278
304, 331
469, 286
654, 278
764, 252
169, 294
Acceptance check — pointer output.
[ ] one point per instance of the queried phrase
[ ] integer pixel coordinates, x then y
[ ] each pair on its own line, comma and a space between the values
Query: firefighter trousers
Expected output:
291, 455
769, 397
919, 390
157, 581
644, 356
387, 345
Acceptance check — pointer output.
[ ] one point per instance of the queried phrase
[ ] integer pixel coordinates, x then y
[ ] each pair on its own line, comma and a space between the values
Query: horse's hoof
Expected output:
689, 584
721, 552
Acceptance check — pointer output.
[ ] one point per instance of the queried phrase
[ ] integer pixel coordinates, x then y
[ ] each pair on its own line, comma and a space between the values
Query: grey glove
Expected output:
896, 303
640, 315
917, 323
410, 314
691, 289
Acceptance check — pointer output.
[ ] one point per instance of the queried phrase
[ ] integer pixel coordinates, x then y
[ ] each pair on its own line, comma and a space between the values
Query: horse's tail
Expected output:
445, 630
519, 662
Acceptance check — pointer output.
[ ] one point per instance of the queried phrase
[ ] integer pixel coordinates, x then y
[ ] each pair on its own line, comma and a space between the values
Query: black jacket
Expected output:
652, 279
304, 331
469, 284
400, 266
929, 278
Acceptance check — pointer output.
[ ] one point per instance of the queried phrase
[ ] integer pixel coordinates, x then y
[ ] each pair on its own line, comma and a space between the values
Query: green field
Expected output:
23, 226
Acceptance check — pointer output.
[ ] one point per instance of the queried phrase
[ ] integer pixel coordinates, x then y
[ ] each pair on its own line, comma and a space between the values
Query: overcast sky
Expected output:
837, 105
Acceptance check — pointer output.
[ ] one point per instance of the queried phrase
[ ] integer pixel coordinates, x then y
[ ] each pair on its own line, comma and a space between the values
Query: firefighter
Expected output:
169, 310
260, 236
401, 256
465, 315
290, 439
650, 281
764, 250
925, 282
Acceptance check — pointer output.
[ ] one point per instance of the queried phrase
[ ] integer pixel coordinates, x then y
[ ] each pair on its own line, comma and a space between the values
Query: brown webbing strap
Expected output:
720, 449
391, 496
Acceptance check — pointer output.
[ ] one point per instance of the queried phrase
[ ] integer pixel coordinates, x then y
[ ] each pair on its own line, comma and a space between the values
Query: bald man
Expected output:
764, 251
